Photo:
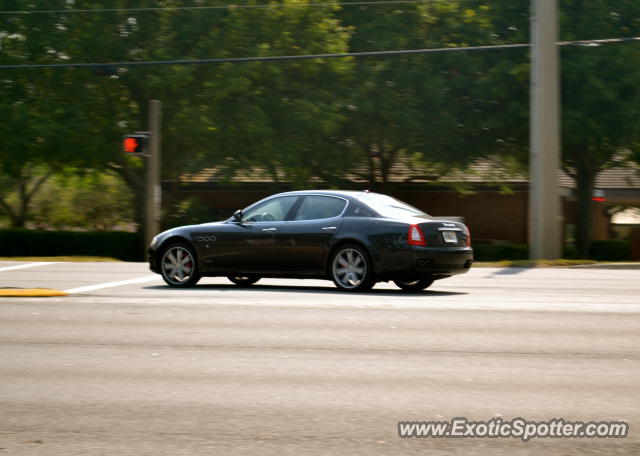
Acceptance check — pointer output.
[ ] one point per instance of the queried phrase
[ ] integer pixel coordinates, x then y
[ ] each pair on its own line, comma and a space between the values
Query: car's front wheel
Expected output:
178, 266
414, 285
244, 281
351, 269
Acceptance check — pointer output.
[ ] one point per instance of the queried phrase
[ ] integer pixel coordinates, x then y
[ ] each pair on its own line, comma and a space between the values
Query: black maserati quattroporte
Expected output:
353, 238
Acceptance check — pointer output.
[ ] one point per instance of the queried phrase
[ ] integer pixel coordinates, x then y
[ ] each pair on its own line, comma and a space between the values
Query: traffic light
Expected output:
135, 144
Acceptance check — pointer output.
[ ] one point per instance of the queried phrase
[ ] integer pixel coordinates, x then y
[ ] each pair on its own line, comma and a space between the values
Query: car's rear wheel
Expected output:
244, 281
351, 269
414, 285
178, 266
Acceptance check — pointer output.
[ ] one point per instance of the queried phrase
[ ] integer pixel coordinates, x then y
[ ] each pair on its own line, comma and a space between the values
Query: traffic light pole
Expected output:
153, 187
544, 196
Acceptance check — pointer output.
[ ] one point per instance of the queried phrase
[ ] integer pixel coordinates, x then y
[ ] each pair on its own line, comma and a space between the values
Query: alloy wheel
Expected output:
244, 281
414, 285
178, 266
349, 269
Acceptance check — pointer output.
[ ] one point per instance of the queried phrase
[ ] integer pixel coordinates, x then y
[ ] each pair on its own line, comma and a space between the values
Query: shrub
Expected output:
610, 250
607, 250
116, 244
489, 252
570, 252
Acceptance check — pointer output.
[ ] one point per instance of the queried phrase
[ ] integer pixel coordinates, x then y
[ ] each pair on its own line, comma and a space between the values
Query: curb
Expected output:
608, 266
30, 293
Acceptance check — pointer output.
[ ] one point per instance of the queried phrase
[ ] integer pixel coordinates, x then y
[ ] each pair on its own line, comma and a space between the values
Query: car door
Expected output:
250, 246
304, 241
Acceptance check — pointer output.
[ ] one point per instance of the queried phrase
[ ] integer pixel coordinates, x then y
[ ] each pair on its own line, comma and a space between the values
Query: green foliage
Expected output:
115, 244
419, 105
279, 117
570, 252
488, 252
610, 250
301, 120
533, 263
91, 201
17, 192
600, 96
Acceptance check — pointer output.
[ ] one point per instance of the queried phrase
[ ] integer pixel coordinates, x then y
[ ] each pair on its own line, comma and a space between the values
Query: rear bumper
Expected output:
442, 260
427, 262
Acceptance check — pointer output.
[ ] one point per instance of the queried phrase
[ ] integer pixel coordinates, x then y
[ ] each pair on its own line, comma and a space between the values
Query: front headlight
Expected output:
154, 241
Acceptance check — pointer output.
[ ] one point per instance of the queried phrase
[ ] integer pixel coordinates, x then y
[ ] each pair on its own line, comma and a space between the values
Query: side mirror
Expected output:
237, 215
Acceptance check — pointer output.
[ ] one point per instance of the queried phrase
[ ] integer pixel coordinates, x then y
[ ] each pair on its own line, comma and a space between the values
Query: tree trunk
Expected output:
9, 210
20, 213
585, 181
387, 159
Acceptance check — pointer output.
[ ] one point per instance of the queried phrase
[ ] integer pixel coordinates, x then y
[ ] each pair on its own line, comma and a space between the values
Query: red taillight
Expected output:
415, 236
468, 237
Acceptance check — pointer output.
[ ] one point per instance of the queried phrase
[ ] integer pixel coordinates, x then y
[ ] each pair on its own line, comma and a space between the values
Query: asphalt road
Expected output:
127, 366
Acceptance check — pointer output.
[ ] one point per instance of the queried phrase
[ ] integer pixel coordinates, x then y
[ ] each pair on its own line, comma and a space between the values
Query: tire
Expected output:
351, 269
244, 281
178, 266
414, 285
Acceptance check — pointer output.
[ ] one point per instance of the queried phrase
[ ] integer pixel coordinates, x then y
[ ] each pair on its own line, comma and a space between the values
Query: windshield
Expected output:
387, 206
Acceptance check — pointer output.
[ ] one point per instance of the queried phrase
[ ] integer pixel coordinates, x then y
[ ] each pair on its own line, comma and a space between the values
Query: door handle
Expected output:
270, 229
327, 228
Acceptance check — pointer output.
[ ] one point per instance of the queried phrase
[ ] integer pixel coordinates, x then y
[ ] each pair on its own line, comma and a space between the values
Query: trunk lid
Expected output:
444, 234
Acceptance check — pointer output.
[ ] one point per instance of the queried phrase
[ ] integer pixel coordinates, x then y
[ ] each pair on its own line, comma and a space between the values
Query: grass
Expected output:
71, 259
531, 263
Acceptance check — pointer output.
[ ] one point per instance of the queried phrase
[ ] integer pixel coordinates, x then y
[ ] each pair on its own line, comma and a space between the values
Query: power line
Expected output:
263, 59
588, 43
230, 6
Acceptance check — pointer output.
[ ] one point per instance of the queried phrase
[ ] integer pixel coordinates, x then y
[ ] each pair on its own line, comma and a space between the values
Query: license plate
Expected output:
450, 236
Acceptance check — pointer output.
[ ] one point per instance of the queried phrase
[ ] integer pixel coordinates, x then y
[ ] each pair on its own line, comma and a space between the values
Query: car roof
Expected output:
347, 193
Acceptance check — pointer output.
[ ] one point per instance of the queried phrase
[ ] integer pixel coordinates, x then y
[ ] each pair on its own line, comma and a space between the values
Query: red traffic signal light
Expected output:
135, 144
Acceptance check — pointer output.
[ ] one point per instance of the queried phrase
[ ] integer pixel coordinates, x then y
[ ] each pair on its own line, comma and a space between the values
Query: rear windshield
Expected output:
387, 206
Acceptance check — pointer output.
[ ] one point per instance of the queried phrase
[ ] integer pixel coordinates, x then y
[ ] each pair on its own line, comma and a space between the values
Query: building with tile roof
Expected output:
490, 196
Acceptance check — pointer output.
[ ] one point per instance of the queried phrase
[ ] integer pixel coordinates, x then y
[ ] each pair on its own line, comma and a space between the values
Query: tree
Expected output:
303, 120
600, 93
277, 116
61, 118
92, 201
434, 112
600, 96
37, 132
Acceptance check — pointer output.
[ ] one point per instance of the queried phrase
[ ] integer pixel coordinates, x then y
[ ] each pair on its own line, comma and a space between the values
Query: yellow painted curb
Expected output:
30, 292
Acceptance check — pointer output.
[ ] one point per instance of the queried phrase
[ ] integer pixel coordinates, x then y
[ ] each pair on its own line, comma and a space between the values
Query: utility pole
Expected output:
545, 218
153, 187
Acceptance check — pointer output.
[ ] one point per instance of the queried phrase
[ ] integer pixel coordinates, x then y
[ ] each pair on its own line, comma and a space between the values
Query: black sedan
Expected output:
353, 238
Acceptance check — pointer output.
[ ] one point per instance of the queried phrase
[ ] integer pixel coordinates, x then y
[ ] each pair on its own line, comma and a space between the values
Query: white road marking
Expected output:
29, 265
120, 283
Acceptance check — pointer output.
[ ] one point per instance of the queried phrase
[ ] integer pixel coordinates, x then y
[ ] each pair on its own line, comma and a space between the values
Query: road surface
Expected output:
126, 366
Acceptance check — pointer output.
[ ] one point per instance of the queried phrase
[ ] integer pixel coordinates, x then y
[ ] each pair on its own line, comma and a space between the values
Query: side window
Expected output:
274, 210
356, 210
319, 207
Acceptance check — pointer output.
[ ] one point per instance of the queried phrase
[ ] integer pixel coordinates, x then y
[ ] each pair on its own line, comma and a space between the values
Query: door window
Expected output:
273, 210
319, 207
